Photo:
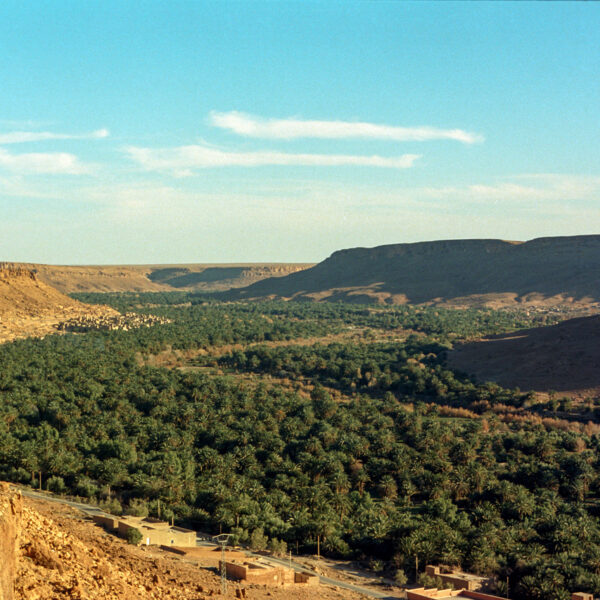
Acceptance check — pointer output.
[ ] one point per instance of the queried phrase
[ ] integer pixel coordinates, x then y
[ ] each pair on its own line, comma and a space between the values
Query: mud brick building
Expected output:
154, 531
266, 574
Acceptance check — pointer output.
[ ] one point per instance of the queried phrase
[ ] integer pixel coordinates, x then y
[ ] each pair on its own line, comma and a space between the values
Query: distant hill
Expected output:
160, 278
454, 272
30, 307
563, 358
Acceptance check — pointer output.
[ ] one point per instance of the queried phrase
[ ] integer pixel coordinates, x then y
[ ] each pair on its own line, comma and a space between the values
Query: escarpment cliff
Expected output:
160, 278
457, 272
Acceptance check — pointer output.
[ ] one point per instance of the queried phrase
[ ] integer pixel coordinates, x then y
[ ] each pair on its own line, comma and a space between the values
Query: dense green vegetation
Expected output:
411, 370
381, 474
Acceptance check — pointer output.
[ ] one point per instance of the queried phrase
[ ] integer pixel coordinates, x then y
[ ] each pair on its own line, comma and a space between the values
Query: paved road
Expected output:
86, 508
203, 541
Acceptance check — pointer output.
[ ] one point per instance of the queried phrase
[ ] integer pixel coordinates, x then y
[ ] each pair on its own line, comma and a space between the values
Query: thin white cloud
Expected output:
523, 188
42, 163
183, 160
257, 127
19, 137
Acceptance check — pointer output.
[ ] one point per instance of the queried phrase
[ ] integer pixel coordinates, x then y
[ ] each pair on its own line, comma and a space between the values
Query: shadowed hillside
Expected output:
460, 272
564, 358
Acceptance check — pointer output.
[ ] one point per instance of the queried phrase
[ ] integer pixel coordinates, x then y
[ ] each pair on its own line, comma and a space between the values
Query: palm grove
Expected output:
365, 445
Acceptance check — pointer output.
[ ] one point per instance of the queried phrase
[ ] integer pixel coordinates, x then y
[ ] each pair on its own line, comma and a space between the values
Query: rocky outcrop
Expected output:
10, 271
460, 272
11, 506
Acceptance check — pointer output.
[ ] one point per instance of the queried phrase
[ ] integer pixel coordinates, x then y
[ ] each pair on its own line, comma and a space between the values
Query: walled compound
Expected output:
153, 531
263, 573
458, 579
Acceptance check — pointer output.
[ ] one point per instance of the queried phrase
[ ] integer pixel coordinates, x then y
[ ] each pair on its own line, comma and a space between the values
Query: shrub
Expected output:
433, 582
133, 536
86, 487
376, 565
238, 536
400, 577
112, 506
56, 485
277, 547
137, 508
258, 540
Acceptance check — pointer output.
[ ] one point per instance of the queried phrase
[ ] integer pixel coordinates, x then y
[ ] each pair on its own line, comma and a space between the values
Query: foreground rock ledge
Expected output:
11, 507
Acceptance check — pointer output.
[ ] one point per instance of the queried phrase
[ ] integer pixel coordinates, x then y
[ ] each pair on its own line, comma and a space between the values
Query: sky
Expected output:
146, 132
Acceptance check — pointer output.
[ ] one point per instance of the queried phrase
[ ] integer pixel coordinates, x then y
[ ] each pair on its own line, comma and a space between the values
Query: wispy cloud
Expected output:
42, 163
291, 128
19, 137
183, 160
522, 188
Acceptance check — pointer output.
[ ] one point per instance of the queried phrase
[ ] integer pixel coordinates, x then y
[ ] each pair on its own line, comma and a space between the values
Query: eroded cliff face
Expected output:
11, 507
8, 271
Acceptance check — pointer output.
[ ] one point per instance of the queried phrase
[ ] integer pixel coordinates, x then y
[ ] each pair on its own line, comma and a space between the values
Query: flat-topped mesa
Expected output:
424, 248
558, 270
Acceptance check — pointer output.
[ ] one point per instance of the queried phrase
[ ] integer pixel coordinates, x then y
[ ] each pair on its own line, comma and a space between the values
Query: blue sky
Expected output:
165, 132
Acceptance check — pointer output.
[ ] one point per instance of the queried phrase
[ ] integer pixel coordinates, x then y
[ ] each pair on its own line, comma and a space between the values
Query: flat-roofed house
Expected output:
154, 531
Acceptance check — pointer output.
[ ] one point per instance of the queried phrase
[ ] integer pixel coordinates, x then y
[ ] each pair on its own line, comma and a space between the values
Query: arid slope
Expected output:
564, 358
29, 307
455, 272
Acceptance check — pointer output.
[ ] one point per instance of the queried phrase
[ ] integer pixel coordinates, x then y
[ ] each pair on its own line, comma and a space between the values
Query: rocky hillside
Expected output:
160, 278
52, 552
30, 307
456, 272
